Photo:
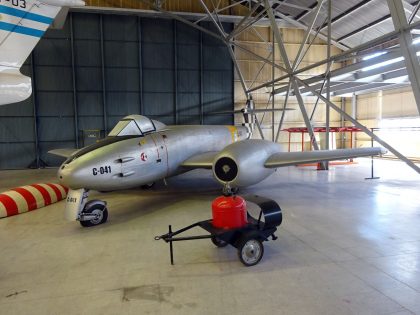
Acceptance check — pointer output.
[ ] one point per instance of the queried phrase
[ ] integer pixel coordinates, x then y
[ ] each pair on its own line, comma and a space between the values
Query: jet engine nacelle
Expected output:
242, 163
14, 87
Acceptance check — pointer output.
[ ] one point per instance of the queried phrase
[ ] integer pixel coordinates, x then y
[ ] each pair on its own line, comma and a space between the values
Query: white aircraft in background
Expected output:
22, 24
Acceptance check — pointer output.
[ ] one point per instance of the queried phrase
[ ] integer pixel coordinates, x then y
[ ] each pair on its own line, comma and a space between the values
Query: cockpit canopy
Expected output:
135, 125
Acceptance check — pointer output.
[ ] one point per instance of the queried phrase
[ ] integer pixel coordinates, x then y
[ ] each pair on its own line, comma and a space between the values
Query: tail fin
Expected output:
22, 24
249, 117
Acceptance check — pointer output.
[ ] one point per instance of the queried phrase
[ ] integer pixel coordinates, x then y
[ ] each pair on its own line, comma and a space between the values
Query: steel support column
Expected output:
300, 55
73, 71
239, 25
413, 14
35, 112
201, 79
175, 74
342, 134
327, 107
238, 70
272, 90
101, 29
321, 88
223, 37
354, 115
140, 37
413, 68
295, 85
283, 113
219, 28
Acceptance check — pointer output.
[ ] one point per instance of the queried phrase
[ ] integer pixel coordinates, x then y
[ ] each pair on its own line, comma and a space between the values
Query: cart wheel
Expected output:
218, 242
250, 251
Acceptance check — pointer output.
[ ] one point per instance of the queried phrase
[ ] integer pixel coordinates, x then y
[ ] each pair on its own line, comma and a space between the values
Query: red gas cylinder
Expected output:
229, 212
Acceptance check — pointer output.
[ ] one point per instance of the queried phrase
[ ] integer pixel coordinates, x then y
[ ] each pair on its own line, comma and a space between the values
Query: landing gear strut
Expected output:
229, 191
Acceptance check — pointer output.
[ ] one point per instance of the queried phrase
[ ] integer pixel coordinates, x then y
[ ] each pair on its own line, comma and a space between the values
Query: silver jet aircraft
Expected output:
140, 151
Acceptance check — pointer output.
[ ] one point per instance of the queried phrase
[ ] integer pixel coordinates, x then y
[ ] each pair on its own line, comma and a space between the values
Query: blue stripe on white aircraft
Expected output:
25, 15
22, 24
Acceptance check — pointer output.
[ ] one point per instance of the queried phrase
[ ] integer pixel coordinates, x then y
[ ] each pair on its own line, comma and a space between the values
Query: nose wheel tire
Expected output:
101, 216
250, 251
218, 242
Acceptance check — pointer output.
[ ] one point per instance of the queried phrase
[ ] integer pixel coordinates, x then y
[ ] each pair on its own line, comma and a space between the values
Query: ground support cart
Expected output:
247, 239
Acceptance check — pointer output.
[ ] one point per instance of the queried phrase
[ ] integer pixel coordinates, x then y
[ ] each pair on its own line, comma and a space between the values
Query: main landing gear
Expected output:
229, 191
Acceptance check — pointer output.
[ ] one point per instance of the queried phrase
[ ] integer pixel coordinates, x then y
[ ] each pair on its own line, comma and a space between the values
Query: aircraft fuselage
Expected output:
129, 161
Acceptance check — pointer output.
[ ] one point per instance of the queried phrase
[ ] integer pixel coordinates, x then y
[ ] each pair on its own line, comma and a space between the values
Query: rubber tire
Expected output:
218, 242
230, 192
148, 186
242, 244
104, 216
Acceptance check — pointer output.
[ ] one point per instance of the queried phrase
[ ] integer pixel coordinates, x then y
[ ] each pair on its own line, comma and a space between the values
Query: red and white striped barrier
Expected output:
31, 197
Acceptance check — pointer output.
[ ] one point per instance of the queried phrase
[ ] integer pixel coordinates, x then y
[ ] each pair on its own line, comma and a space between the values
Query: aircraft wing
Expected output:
63, 152
204, 160
293, 158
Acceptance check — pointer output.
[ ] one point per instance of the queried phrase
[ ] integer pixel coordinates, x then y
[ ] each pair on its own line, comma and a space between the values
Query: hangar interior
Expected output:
335, 74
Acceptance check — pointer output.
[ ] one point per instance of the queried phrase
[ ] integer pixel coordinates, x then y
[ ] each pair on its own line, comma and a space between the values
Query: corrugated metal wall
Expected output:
100, 68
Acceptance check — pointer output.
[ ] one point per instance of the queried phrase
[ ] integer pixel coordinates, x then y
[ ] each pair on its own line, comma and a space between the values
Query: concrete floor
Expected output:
346, 246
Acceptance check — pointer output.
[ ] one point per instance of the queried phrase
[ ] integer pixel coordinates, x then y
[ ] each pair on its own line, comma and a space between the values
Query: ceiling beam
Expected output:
313, 32
306, 13
363, 28
186, 15
407, 7
368, 88
347, 12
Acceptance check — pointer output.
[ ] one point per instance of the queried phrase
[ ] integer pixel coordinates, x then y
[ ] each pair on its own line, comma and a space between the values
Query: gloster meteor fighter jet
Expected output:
140, 151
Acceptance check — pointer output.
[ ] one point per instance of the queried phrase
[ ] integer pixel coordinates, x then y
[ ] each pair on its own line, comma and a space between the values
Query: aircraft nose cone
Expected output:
65, 176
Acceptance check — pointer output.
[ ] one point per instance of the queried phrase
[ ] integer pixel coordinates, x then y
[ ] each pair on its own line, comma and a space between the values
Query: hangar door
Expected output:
100, 68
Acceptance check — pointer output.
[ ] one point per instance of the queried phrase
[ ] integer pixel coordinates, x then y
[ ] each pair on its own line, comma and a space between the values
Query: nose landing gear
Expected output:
94, 213
88, 213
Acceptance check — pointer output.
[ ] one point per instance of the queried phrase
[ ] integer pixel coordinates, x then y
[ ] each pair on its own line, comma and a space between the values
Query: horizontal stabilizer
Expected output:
204, 160
63, 152
293, 158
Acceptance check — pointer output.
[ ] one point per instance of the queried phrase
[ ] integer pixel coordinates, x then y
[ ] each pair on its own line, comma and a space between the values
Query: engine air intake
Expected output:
226, 169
